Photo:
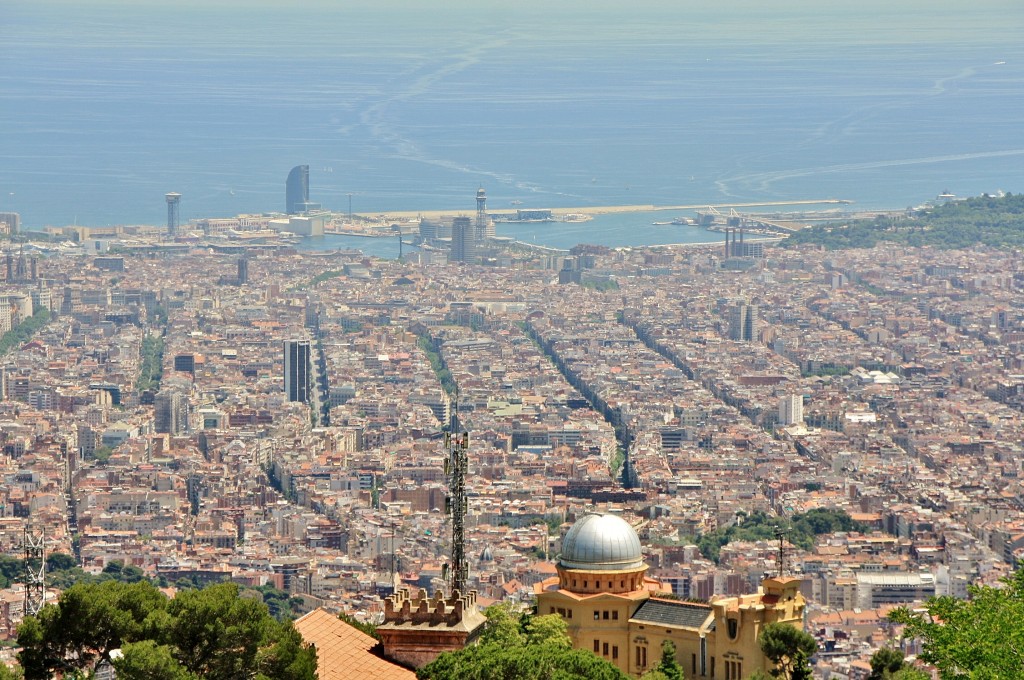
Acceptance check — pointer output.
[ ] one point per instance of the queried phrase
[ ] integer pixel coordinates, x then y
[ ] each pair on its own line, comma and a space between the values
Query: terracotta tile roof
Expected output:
343, 652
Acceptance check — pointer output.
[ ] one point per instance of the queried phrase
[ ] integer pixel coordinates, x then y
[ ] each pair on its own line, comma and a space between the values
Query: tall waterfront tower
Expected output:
173, 199
484, 226
10, 222
296, 190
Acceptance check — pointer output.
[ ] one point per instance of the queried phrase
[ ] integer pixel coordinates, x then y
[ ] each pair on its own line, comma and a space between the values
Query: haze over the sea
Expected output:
106, 106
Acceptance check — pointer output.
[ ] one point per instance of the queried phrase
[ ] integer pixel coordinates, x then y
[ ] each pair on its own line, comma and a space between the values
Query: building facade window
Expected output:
597, 646
733, 670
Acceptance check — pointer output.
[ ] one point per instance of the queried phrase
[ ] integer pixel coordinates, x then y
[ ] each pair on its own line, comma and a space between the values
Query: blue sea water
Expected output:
107, 105
634, 228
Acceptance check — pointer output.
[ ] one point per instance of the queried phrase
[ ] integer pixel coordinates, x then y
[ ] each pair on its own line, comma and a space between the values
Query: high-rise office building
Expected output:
173, 201
463, 240
243, 271
752, 324
296, 192
298, 380
170, 412
744, 323
185, 363
791, 410
435, 229
10, 222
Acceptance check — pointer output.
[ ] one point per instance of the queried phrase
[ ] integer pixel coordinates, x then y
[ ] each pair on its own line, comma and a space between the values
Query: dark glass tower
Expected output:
463, 240
297, 370
296, 190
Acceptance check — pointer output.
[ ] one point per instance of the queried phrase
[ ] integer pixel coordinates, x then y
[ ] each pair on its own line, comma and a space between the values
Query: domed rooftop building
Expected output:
601, 543
612, 608
601, 554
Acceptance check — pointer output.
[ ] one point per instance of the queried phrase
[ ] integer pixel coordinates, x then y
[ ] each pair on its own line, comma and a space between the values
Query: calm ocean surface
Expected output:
613, 230
106, 106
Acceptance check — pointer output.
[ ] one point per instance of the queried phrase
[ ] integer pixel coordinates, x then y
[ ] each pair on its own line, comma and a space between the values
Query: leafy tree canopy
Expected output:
24, 331
668, 668
514, 646
886, 662
211, 633
788, 648
976, 639
996, 221
800, 529
58, 561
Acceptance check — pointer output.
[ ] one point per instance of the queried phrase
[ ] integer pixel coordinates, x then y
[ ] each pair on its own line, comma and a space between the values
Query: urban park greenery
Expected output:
24, 331
799, 530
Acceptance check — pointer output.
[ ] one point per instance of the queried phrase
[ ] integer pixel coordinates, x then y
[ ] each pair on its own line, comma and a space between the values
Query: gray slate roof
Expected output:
672, 613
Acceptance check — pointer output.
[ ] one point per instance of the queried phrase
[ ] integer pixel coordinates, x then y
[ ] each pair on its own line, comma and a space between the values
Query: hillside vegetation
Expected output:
996, 221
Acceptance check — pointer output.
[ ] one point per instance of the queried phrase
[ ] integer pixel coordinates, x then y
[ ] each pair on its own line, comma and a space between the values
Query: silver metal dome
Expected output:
601, 543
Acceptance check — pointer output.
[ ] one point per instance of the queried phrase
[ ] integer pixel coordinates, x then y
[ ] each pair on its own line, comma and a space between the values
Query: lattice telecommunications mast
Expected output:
35, 572
455, 465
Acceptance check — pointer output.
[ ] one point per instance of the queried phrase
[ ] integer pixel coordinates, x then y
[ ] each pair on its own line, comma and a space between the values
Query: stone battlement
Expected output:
404, 608
417, 628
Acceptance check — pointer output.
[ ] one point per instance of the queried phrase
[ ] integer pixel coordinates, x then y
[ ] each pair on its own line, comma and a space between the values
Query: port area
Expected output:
389, 224
593, 211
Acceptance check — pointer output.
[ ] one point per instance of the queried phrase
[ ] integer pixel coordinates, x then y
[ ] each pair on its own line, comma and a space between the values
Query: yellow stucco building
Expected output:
603, 593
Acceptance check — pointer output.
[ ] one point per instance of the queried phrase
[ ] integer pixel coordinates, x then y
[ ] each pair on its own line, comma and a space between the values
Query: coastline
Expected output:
611, 209
378, 218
